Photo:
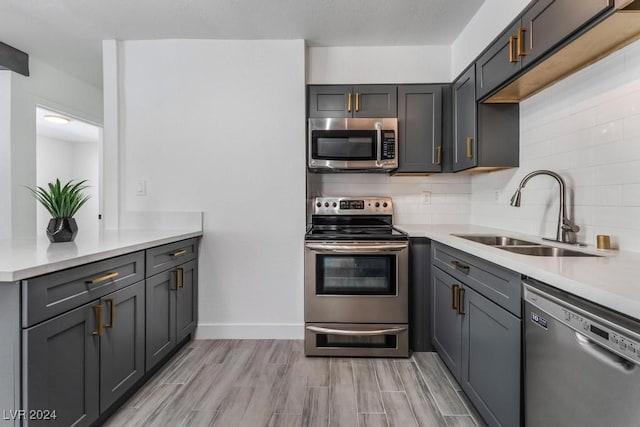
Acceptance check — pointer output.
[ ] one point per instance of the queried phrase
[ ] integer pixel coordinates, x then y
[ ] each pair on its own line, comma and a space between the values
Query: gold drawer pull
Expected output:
469, 146
454, 296
461, 301
349, 103
104, 278
520, 44
357, 102
512, 56
438, 154
179, 253
98, 310
179, 278
461, 267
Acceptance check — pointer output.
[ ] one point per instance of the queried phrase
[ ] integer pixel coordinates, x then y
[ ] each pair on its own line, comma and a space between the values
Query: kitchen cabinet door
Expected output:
160, 316
464, 121
446, 323
490, 374
420, 294
122, 343
419, 129
330, 101
548, 22
61, 372
375, 101
187, 300
499, 62
340, 101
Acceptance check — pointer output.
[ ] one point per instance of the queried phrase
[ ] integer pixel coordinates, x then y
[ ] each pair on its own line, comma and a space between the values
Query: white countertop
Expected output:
609, 280
23, 258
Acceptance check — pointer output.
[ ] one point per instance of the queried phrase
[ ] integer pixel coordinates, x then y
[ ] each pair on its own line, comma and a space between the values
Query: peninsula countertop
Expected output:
608, 280
23, 258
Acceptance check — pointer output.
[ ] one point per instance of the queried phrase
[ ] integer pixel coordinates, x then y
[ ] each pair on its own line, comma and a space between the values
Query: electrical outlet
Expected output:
141, 188
426, 197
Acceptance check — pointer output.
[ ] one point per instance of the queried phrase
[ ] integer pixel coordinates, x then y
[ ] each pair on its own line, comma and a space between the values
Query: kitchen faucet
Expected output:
566, 230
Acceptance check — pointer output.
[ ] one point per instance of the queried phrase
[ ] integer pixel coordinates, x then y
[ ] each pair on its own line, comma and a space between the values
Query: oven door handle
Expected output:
388, 331
348, 249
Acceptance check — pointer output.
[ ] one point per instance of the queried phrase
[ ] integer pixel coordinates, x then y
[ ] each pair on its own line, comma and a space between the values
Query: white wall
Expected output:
378, 64
66, 160
587, 128
492, 17
219, 127
53, 88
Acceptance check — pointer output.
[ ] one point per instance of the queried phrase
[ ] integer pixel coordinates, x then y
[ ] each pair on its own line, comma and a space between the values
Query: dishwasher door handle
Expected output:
603, 354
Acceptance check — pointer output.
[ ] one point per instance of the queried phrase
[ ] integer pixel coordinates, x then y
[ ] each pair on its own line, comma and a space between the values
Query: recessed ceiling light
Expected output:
54, 118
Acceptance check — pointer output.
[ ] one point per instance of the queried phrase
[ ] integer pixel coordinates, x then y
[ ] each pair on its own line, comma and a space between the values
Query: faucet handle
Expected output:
568, 225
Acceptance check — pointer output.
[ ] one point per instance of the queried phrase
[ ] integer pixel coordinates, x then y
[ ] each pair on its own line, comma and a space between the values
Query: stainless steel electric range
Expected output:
356, 279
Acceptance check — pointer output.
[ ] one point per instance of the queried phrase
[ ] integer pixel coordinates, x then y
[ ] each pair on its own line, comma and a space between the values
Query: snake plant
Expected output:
62, 201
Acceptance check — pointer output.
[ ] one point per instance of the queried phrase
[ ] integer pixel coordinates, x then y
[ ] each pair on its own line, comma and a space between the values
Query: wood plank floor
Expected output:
271, 383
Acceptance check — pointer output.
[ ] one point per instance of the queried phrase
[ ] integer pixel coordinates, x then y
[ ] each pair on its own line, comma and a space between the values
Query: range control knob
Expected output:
326, 204
384, 205
335, 204
377, 204
318, 204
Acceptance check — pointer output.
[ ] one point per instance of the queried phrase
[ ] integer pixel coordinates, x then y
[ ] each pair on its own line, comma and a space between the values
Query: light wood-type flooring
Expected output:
242, 383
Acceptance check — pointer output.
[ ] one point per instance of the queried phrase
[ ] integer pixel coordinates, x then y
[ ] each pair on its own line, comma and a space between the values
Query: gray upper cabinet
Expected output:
342, 101
464, 121
499, 62
419, 128
122, 343
61, 371
549, 22
541, 28
485, 136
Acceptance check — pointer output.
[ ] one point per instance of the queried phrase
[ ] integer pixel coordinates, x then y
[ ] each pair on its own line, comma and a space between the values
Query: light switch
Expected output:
141, 188
426, 197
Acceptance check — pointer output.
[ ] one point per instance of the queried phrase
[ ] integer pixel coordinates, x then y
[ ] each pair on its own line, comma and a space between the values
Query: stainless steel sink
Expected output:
496, 240
545, 251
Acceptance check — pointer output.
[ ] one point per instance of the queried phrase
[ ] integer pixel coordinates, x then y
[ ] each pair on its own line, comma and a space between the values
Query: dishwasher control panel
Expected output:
600, 330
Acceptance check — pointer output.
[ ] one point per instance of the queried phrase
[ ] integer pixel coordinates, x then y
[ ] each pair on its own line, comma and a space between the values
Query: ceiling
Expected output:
68, 33
74, 131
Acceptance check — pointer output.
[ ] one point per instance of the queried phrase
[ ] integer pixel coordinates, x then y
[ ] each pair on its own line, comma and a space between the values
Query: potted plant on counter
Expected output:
62, 202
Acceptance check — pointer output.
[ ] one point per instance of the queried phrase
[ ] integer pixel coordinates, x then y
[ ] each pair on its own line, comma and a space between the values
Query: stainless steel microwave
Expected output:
353, 144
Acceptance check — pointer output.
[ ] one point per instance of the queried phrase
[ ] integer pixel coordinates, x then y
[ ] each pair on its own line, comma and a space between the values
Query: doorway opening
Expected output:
70, 150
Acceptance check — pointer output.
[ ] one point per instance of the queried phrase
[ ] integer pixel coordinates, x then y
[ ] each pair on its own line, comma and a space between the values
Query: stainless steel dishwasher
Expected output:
582, 362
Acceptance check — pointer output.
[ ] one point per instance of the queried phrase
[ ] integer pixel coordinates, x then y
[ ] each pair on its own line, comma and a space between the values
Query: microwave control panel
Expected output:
388, 145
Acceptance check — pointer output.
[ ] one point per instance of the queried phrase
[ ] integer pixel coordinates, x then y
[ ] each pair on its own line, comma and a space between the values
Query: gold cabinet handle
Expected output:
454, 297
438, 154
357, 102
178, 253
459, 266
101, 279
349, 102
98, 310
512, 56
469, 144
461, 301
179, 278
111, 303
520, 44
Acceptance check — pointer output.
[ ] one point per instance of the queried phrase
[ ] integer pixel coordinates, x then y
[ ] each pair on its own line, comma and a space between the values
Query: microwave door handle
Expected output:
355, 249
378, 126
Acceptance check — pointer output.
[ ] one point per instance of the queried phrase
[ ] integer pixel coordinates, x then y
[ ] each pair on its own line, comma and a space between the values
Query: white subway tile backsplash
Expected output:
587, 128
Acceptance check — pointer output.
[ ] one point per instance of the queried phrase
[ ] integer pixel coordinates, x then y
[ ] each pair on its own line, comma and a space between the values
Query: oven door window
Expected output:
343, 145
356, 275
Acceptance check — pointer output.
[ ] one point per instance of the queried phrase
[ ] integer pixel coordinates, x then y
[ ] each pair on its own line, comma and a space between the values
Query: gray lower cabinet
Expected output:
61, 369
420, 294
171, 315
122, 343
419, 129
79, 363
476, 333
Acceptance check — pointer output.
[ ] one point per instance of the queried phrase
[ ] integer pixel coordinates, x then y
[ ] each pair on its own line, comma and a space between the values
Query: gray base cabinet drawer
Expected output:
51, 294
165, 257
499, 284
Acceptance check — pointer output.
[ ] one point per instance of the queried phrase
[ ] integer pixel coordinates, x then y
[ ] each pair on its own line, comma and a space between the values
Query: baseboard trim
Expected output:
282, 331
